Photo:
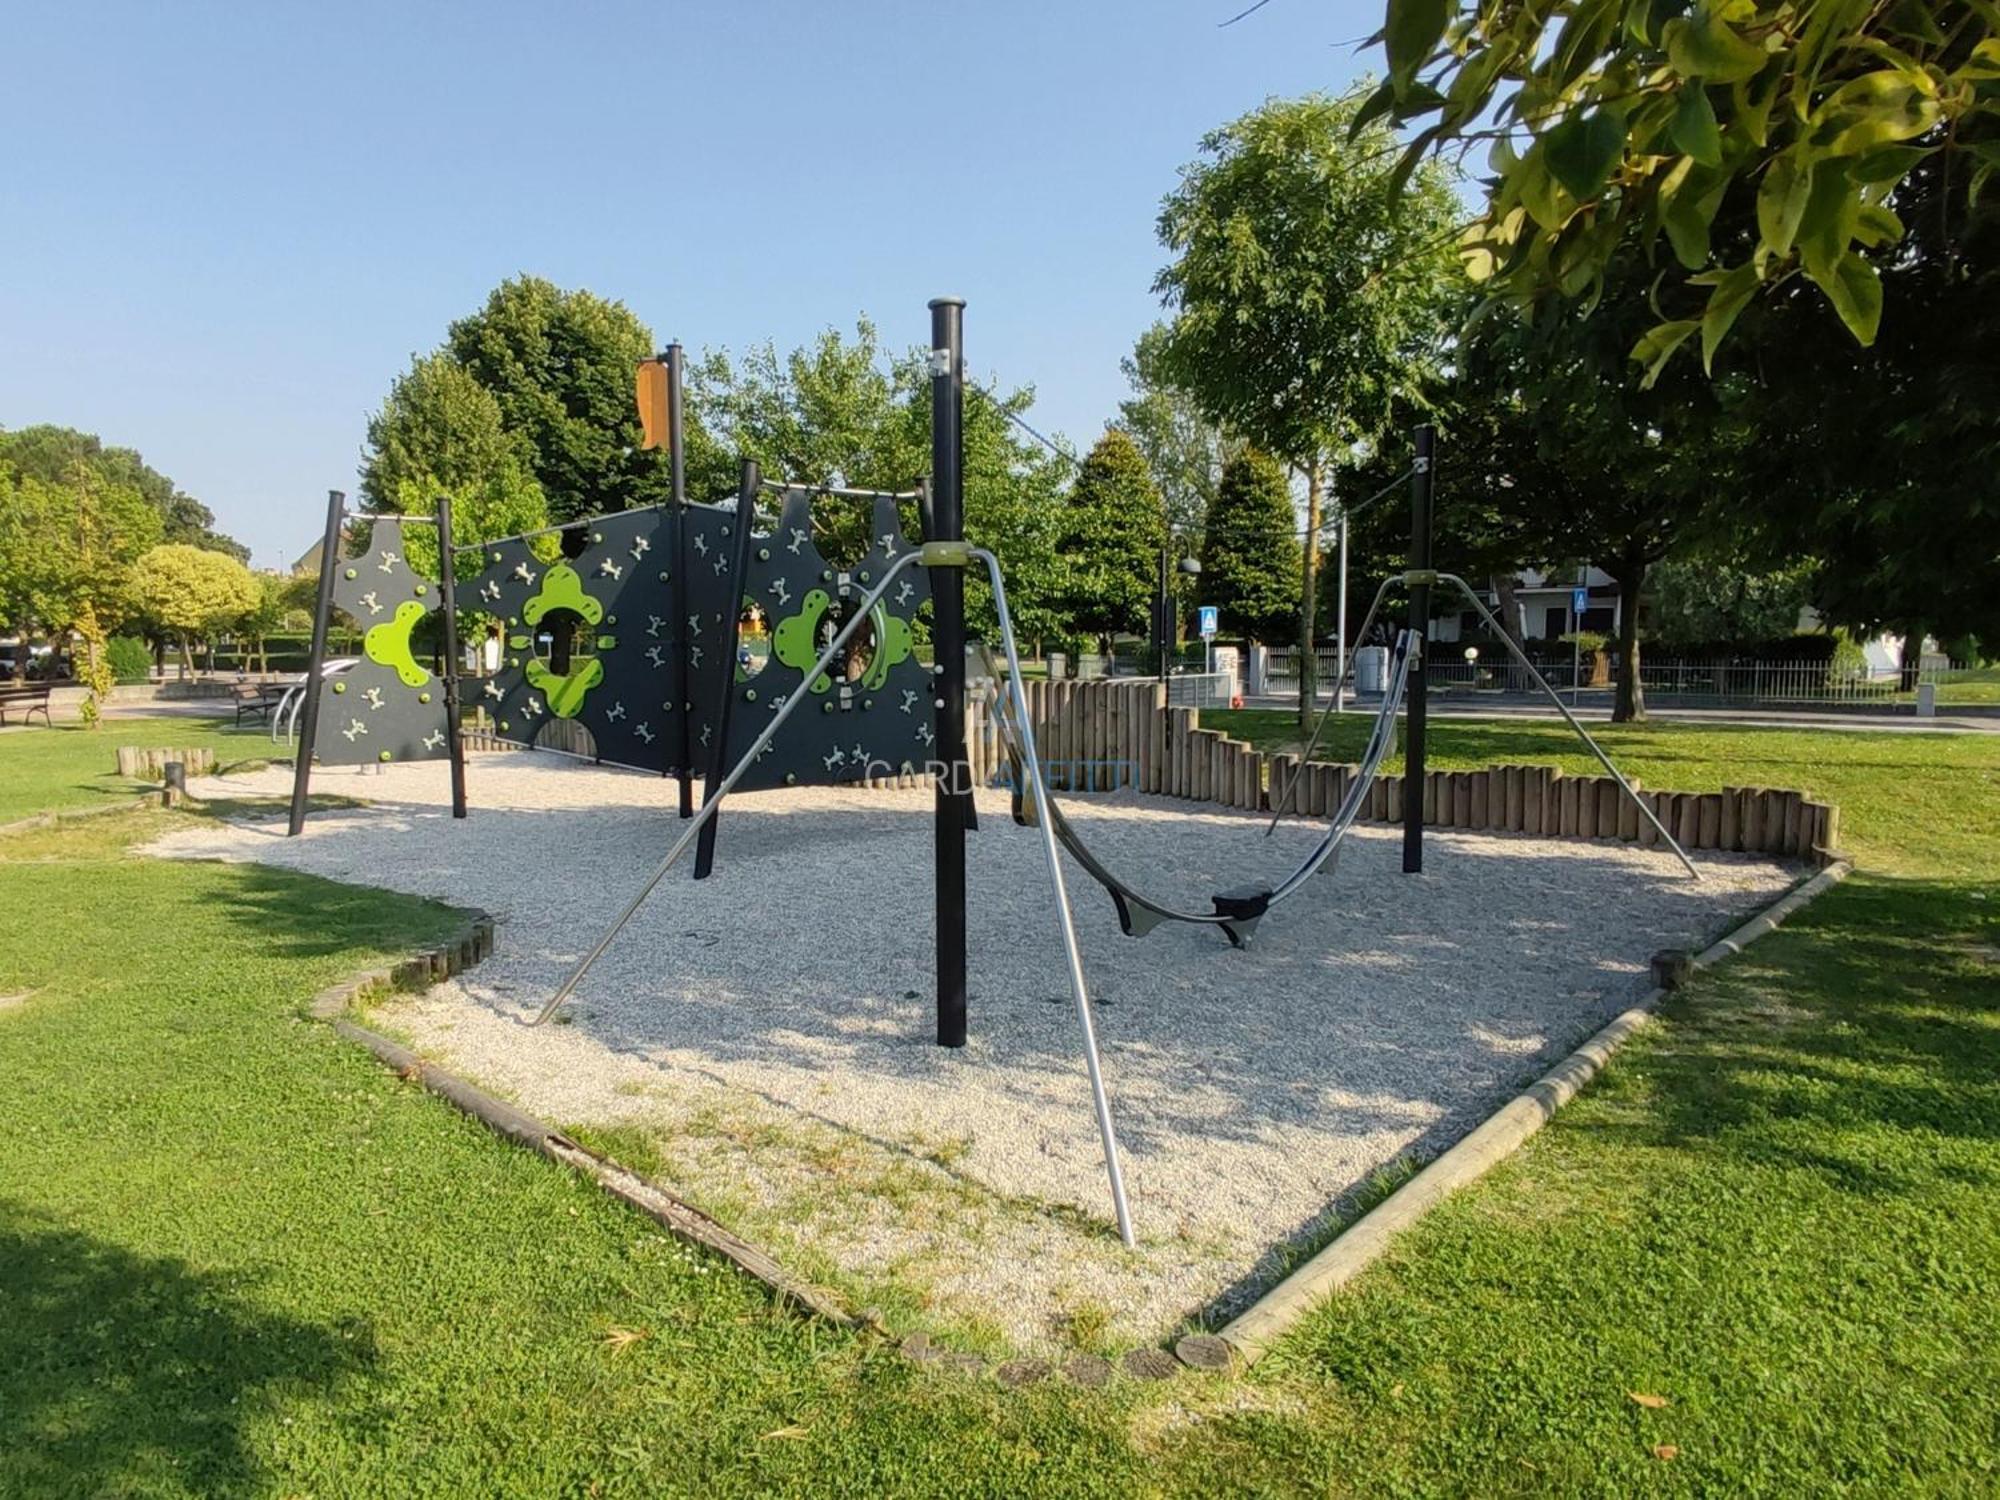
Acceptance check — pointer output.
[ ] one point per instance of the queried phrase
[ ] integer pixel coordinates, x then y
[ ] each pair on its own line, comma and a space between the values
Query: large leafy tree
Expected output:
1250, 549
846, 411
1884, 462
1184, 449
1307, 295
1616, 120
1112, 527
191, 593
52, 454
560, 365
65, 547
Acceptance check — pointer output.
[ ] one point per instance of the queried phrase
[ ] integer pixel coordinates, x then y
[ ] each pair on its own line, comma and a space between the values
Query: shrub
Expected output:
130, 658
1589, 642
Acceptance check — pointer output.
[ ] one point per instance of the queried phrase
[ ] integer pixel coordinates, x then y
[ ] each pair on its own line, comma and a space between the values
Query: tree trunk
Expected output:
1910, 660
1630, 708
187, 657
26, 633
1508, 608
1308, 600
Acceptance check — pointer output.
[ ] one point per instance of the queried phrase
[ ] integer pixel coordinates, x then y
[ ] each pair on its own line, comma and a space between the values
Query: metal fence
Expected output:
1692, 682
1750, 681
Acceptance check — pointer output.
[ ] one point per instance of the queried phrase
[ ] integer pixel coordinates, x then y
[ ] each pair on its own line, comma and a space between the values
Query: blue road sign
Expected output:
1579, 600
1208, 622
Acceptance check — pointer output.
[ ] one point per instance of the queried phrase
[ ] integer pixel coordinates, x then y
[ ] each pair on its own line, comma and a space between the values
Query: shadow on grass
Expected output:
126, 1374
1860, 1043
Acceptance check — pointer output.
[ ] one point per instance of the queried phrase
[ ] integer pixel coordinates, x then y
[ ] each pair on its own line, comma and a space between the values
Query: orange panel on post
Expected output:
652, 392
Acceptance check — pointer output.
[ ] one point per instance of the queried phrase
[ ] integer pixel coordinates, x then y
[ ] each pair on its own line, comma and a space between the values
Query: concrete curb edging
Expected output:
1252, 1334
682, 1220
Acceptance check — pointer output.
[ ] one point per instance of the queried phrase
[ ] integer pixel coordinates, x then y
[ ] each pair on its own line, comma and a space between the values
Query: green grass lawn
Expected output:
238, 1257
46, 770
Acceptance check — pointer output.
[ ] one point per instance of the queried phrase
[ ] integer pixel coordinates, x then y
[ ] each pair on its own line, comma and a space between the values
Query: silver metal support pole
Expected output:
1562, 708
712, 805
1065, 919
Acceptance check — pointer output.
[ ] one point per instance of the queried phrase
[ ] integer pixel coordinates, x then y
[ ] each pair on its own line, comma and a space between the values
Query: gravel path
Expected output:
770, 1028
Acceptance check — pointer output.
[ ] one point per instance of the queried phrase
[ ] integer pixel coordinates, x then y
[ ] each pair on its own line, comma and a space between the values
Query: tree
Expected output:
51, 454
1183, 449
277, 597
1250, 553
560, 364
190, 592
1308, 296
1112, 527
64, 551
845, 412
1699, 600
1636, 120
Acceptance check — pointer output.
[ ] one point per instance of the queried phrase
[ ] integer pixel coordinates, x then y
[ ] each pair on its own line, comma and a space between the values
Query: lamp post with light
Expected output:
1163, 606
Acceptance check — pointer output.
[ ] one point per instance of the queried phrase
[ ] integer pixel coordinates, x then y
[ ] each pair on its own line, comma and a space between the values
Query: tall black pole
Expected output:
448, 598
954, 793
1415, 700
1162, 626
740, 530
329, 559
677, 679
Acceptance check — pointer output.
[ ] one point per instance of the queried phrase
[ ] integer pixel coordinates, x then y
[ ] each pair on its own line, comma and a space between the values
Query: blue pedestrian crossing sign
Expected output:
1579, 599
1208, 622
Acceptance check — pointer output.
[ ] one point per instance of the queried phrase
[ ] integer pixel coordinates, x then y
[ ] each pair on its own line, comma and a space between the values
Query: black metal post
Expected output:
751, 479
1415, 702
329, 559
448, 600
1162, 622
954, 792
677, 677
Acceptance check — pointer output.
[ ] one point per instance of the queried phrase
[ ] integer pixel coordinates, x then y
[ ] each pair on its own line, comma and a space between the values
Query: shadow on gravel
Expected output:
125, 1374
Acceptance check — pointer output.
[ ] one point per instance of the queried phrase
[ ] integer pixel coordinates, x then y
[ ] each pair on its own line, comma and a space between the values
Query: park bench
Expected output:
27, 701
257, 699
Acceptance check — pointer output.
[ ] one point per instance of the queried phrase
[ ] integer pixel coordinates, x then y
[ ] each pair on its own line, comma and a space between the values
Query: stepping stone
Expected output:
918, 1350
1151, 1364
1089, 1370
1203, 1351
1019, 1372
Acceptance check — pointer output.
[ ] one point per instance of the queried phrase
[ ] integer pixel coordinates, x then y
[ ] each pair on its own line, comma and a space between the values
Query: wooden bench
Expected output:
27, 701
257, 699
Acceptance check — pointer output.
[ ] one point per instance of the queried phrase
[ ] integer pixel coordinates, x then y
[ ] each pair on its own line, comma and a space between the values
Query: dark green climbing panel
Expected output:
388, 706
593, 635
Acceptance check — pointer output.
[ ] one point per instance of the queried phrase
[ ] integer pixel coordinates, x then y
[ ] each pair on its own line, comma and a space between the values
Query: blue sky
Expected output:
228, 227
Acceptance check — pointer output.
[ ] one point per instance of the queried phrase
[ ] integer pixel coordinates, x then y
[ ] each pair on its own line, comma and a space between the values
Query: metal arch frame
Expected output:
1139, 914
1521, 659
933, 554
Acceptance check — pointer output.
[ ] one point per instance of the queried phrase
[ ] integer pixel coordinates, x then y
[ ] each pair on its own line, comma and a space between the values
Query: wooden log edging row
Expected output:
683, 1220
1105, 735
151, 765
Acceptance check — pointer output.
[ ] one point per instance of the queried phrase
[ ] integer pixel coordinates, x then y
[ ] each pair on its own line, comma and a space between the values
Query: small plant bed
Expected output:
760, 1042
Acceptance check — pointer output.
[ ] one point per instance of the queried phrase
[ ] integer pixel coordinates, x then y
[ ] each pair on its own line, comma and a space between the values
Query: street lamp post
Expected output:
1163, 606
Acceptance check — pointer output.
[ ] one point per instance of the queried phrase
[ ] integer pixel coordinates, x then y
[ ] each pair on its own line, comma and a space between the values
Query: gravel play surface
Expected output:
761, 1041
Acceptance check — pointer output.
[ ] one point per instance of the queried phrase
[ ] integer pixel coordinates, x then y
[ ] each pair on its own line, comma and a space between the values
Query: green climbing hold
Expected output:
384, 756
566, 690
423, 697
352, 574
388, 644
792, 638
422, 590
561, 589
340, 687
